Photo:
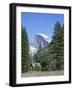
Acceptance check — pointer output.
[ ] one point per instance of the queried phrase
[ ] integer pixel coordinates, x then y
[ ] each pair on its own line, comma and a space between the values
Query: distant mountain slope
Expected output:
33, 50
39, 40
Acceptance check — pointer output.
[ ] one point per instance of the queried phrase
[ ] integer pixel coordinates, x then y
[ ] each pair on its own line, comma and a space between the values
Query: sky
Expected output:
40, 23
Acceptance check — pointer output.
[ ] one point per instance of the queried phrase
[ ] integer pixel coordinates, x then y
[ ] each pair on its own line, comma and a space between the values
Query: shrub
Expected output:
37, 67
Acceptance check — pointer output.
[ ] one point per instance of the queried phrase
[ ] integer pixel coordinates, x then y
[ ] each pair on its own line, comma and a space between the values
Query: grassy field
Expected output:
45, 73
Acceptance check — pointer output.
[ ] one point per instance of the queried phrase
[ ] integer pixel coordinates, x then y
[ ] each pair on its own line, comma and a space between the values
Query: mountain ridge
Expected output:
40, 39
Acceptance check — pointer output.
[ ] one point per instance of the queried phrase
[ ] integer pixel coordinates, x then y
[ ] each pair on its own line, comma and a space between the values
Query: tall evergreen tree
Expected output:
56, 48
25, 51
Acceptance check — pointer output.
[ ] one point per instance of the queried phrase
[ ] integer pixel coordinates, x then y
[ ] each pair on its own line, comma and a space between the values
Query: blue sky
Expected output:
40, 23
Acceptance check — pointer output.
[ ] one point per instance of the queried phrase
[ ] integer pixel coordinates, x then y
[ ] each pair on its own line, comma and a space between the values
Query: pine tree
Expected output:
25, 51
56, 48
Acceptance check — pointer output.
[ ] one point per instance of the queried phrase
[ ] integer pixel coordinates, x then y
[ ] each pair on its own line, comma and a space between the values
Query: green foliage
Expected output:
37, 67
25, 51
56, 47
44, 66
52, 57
42, 57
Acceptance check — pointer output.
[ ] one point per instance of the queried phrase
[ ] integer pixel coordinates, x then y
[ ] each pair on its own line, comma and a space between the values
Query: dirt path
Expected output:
45, 73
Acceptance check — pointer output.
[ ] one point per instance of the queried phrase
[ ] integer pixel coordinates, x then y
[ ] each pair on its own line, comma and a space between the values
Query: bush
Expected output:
51, 66
37, 67
44, 66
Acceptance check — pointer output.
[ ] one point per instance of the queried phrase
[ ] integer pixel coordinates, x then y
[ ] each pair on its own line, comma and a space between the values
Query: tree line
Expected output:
51, 57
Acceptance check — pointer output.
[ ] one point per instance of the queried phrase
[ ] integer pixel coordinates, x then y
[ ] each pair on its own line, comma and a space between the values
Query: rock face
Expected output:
33, 50
41, 40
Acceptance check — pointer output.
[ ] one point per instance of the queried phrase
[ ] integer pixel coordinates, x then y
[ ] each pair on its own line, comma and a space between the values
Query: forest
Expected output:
50, 58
